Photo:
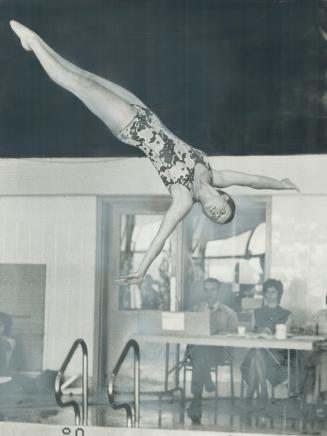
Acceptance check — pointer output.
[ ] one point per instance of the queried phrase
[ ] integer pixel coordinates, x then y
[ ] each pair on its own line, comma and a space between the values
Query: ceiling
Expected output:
230, 77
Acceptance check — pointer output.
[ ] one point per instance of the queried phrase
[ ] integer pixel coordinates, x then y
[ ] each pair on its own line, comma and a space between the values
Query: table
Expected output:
249, 340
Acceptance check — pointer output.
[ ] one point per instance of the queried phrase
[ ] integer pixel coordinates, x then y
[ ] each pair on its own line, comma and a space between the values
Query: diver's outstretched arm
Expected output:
111, 108
223, 179
180, 206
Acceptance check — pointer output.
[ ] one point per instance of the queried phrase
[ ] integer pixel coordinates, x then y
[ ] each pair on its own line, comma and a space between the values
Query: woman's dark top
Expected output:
269, 317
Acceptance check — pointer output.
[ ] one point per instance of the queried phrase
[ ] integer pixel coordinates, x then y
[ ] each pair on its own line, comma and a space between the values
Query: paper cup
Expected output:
281, 331
241, 330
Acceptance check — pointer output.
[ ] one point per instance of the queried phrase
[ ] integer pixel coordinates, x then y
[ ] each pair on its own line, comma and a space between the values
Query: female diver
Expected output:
184, 170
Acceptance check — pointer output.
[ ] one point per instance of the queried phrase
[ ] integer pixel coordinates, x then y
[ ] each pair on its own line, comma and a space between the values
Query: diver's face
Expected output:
217, 209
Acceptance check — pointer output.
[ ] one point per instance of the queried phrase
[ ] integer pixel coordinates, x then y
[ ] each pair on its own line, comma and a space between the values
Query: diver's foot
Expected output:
24, 34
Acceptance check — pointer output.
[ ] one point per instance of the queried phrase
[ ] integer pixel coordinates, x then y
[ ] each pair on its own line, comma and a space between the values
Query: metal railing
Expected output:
133, 408
60, 373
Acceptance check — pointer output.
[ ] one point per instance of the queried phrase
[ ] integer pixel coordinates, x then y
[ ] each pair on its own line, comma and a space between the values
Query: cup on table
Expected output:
281, 331
241, 330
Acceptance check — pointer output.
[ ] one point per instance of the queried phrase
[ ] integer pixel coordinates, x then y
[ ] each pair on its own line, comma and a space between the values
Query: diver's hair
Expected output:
231, 205
273, 283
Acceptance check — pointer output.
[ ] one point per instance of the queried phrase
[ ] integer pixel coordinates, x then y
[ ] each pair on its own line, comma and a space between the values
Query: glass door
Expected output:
128, 227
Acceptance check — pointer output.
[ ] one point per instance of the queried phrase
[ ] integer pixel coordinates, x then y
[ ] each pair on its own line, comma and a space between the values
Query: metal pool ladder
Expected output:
58, 384
132, 409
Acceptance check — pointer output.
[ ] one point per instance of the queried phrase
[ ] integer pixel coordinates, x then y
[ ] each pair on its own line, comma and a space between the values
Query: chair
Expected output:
243, 383
272, 396
186, 365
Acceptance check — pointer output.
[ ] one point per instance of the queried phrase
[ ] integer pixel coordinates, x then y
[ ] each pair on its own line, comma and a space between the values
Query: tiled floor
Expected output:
281, 417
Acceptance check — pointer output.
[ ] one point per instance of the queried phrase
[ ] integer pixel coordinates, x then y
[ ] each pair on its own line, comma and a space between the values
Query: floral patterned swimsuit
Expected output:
174, 160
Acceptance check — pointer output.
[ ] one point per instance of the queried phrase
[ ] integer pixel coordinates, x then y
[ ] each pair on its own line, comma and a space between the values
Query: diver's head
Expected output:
218, 206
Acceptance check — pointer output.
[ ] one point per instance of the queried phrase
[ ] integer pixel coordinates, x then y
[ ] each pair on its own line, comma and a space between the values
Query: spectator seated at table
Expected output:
203, 357
315, 368
262, 365
10, 389
7, 345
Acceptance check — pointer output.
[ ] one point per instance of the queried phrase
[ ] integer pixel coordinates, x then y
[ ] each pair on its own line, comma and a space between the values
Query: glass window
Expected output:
136, 234
233, 253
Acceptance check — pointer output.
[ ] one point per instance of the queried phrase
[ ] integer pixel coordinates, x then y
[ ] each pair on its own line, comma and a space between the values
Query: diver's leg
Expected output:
118, 90
113, 110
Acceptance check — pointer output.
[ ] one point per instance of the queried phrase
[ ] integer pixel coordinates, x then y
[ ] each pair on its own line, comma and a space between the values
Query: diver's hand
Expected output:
288, 184
135, 278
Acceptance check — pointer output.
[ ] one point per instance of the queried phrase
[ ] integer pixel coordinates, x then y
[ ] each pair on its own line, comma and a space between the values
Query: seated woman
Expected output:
261, 365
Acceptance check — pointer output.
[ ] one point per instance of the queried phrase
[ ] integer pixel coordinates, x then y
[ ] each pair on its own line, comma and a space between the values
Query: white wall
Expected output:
299, 253
48, 215
58, 232
137, 175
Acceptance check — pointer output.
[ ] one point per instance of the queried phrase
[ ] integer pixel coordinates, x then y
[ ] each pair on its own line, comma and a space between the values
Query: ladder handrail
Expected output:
60, 373
132, 409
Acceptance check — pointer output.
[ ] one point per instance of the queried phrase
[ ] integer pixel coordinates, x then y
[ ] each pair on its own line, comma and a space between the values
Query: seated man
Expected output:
261, 365
203, 357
